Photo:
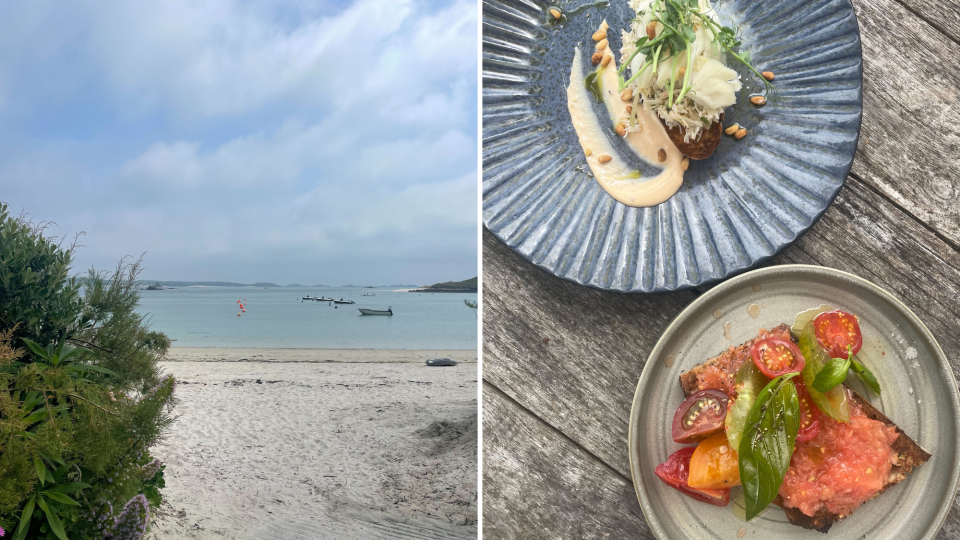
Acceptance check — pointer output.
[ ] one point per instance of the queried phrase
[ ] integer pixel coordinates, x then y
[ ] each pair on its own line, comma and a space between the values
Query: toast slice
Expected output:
910, 454
703, 147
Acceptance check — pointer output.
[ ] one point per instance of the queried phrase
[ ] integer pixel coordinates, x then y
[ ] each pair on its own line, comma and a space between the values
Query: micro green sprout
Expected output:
680, 20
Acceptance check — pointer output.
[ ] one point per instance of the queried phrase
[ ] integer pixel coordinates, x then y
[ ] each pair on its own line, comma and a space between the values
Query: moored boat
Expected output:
365, 311
342, 301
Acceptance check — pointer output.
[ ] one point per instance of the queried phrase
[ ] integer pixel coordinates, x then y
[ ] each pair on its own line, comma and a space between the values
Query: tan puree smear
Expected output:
614, 175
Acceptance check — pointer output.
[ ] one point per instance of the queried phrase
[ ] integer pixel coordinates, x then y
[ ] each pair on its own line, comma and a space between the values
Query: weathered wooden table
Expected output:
561, 361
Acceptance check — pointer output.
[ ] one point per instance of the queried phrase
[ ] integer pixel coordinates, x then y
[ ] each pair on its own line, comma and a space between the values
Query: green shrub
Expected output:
81, 398
37, 297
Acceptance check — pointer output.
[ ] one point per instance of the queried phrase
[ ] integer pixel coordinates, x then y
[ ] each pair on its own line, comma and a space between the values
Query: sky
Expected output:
263, 140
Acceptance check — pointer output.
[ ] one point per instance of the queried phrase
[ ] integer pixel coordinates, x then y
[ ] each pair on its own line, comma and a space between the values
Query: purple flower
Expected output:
132, 522
2, 532
150, 470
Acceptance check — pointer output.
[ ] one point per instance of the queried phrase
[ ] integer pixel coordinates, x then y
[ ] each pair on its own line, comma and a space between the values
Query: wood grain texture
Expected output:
537, 484
944, 16
569, 352
910, 138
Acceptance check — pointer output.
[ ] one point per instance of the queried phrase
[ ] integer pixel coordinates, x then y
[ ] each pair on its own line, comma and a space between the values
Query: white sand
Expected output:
292, 449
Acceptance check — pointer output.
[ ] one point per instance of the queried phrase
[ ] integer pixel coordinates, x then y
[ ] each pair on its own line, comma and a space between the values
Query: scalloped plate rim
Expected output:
731, 273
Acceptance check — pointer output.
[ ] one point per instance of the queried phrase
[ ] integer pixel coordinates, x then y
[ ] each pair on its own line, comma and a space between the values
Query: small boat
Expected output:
441, 362
368, 294
342, 301
323, 299
366, 311
308, 298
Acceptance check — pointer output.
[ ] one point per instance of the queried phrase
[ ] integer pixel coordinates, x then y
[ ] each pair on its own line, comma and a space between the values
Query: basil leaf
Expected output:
833, 403
832, 374
768, 442
866, 376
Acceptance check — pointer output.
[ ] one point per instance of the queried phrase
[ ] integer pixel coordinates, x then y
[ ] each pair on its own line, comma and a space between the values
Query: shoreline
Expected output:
316, 356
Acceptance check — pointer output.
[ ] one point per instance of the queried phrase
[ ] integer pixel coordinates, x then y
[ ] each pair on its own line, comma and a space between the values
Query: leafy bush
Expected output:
37, 298
81, 398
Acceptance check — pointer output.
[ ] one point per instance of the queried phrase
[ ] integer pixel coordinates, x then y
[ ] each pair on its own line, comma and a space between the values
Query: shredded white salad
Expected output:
714, 85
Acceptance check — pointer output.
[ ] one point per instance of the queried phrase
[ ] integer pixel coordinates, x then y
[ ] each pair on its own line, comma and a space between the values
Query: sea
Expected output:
279, 317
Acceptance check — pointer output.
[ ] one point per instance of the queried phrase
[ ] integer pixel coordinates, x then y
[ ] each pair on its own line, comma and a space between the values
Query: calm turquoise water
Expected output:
276, 317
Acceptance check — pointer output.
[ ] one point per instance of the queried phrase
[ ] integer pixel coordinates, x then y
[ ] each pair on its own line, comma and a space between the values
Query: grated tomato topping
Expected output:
842, 467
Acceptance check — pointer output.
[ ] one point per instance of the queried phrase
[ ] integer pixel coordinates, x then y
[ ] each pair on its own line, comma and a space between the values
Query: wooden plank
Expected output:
571, 354
910, 139
537, 484
943, 15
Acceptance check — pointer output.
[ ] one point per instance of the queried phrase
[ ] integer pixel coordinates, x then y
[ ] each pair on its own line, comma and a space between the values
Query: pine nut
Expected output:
556, 13
651, 30
604, 159
588, 152
602, 44
682, 71
685, 164
759, 101
599, 34
606, 60
595, 59
662, 155
621, 129
732, 129
741, 133
768, 75
629, 109
627, 95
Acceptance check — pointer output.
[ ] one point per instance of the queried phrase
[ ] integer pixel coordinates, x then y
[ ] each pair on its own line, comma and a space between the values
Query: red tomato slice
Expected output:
675, 472
809, 413
837, 331
775, 357
700, 416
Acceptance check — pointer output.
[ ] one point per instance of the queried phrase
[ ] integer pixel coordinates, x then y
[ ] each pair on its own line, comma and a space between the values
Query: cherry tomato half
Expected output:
675, 471
809, 413
714, 465
837, 331
775, 357
700, 416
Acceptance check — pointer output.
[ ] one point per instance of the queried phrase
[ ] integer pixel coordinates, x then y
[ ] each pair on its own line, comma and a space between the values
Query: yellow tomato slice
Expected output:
713, 464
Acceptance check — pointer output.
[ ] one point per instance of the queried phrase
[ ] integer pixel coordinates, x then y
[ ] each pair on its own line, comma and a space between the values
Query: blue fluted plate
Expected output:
736, 209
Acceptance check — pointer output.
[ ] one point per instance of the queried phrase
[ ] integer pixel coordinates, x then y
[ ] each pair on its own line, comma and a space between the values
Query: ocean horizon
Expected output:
206, 316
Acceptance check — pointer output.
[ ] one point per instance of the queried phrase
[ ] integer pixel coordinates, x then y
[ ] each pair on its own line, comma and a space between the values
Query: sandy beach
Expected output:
320, 443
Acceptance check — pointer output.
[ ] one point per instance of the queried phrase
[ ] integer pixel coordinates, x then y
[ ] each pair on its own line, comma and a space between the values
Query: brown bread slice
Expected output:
910, 454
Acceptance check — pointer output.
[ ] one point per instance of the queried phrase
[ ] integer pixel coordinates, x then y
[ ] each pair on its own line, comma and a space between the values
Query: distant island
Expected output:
465, 286
469, 285
407, 286
162, 284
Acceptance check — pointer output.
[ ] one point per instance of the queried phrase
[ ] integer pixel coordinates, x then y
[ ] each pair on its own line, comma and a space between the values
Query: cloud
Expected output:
224, 57
247, 140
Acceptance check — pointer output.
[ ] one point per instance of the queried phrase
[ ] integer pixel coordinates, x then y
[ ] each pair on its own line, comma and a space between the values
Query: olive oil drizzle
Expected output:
594, 84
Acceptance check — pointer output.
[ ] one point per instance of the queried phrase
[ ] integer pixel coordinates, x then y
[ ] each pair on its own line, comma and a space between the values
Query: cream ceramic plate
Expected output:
919, 395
